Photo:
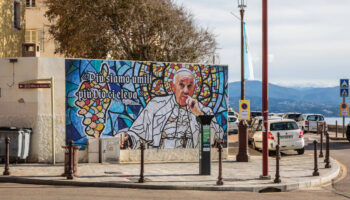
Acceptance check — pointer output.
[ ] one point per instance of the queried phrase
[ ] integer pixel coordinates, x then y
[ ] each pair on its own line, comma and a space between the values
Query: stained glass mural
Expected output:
154, 102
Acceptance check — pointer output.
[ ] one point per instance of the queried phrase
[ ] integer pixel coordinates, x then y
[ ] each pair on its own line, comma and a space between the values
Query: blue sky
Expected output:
309, 41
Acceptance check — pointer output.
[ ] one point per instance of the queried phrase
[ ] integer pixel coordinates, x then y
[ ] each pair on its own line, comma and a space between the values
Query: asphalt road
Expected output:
340, 149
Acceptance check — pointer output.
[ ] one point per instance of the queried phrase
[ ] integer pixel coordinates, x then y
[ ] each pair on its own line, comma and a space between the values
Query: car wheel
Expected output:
254, 146
272, 153
300, 151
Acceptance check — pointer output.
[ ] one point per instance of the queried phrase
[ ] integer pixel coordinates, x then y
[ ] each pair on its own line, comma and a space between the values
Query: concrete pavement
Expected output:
296, 172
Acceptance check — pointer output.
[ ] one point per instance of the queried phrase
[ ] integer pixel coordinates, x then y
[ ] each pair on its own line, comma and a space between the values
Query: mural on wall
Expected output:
144, 101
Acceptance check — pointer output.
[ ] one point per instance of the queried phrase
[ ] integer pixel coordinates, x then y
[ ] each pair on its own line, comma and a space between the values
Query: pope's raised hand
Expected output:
194, 106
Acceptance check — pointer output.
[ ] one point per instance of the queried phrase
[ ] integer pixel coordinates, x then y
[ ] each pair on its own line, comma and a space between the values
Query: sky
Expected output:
309, 40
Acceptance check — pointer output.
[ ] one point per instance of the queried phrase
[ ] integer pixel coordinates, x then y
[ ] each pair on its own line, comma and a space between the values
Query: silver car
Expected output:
233, 124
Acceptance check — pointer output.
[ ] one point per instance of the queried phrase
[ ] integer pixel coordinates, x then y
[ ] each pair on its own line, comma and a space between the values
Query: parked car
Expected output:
311, 122
291, 137
298, 117
255, 114
233, 124
348, 132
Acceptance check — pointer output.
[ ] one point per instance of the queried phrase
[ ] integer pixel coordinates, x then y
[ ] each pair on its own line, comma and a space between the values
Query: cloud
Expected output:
308, 39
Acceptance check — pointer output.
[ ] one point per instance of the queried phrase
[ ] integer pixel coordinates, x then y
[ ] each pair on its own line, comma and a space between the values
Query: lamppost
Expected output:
242, 155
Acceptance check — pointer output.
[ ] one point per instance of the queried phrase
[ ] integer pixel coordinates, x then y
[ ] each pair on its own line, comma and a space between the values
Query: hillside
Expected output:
286, 99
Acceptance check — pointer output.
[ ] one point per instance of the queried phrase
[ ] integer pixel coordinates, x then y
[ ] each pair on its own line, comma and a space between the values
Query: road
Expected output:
340, 149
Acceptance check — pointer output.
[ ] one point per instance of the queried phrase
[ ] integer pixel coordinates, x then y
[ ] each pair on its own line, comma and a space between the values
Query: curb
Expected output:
338, 138
335, 170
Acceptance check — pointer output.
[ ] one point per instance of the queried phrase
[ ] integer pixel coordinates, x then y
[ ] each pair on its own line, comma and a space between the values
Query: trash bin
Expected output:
19, 142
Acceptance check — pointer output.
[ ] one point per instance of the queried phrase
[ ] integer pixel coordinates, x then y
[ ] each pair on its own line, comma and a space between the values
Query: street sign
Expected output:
33, 85
244, 110
344, 83
344, 92
344, 109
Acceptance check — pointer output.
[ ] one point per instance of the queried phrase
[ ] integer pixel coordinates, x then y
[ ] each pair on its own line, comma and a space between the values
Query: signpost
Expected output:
33, 85
244, 110
344, 107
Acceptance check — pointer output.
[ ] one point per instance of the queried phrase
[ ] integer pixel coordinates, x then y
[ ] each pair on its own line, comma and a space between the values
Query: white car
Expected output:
311, 121
291, 137
298, 117
233, 124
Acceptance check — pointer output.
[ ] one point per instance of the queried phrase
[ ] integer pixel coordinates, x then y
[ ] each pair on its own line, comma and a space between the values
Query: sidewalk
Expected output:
295, 170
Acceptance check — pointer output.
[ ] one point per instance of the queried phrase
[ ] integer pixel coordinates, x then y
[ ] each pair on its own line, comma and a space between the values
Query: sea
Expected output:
332, 120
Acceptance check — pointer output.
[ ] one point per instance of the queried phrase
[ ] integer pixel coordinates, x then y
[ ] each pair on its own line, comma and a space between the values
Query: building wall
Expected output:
35, 20
31, 108
11, 38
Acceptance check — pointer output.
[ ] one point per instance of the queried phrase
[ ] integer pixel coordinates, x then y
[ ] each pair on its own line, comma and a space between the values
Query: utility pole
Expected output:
265, 102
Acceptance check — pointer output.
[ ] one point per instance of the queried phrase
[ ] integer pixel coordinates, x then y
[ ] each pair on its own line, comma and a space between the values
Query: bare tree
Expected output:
156, 30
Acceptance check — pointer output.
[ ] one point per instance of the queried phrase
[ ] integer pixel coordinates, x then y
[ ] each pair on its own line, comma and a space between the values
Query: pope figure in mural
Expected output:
170, 121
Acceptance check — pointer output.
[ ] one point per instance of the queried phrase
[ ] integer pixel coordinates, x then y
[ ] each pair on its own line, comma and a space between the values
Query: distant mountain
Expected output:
287, 99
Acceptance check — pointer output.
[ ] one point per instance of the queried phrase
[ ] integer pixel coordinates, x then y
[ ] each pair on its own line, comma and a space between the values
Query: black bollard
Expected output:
315, 173
142, 178
336, 128
7, 161
328, 165
70, 160
321, 144
277, 177
278, 138
220, 182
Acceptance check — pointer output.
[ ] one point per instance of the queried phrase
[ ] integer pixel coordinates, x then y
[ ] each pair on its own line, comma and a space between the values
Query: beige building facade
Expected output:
37, 31
12, 26
31, 108
24, 30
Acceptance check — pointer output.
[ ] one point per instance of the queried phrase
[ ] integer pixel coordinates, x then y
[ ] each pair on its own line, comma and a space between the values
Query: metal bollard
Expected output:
328, 165
7, 161
70, 160
278, 138
321, 145
220, 182
336, 128
315, 173
142, 178
277, 177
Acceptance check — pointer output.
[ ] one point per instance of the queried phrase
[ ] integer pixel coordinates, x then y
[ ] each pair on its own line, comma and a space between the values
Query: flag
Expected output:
248, 63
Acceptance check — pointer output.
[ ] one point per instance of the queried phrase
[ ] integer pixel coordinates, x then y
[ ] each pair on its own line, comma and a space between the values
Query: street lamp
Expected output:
242, 4
242, 155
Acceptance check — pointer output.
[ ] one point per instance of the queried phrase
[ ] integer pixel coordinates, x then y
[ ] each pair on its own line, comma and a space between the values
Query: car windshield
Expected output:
315, 118
232, 119
231, 113
293, 116
312, 118
283, 126
255, 114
